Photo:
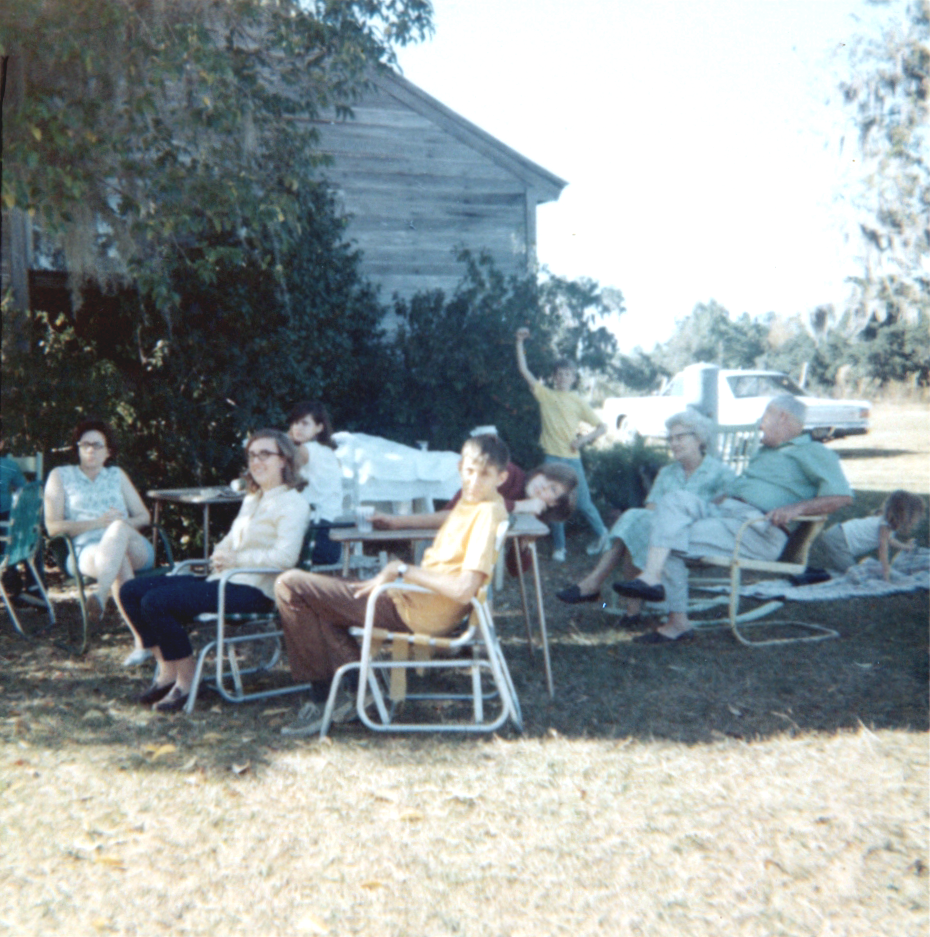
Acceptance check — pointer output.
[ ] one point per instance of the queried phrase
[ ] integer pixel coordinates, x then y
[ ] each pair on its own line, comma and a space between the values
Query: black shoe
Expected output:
637, 589
174, 705
155, 693
656, 637
810, 577
571, 595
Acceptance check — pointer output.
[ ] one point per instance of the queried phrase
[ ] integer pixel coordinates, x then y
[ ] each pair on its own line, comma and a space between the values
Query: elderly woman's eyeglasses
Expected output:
673, 436
92, 446
263, 455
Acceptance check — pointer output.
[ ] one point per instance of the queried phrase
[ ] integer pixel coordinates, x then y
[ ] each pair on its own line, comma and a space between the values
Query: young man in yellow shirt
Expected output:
317, 611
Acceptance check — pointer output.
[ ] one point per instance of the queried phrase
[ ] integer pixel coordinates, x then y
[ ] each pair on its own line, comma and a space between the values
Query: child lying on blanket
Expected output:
898, 516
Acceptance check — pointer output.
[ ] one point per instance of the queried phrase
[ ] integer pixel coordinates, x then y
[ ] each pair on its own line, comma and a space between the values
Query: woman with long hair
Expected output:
267, 533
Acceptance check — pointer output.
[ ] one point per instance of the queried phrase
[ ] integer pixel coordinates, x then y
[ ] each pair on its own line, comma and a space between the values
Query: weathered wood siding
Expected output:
418, 182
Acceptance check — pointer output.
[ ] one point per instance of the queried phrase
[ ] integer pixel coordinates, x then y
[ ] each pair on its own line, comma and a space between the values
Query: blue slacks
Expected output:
160, 606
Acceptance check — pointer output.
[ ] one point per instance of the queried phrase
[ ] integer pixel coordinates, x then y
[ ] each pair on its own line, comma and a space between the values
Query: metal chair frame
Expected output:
227, 679
430, 652
793, 561
22, 539
384, 678
61, 548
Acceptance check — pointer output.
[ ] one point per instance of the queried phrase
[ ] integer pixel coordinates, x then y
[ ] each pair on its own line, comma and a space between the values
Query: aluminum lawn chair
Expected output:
230, 646
21, 542
387, 657
791, 562
62, 551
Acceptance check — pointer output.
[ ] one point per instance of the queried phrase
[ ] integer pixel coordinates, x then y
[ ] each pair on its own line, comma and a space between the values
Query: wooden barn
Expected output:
418, 181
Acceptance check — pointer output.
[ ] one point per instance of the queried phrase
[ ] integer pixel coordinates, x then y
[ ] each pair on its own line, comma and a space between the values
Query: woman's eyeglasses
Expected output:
263, 455
92, 446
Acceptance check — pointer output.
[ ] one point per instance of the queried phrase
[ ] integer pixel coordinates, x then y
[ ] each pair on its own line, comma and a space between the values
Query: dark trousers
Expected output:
160, 606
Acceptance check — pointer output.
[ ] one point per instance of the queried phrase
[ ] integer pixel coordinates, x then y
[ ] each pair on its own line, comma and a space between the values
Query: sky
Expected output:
701, 141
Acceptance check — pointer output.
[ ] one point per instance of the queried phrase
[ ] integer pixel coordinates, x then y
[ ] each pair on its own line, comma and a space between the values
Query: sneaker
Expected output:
310, 716
558, 556
599, 545
139, 656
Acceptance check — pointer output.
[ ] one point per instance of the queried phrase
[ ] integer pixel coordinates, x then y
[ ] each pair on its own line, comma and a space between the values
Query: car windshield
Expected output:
763, 385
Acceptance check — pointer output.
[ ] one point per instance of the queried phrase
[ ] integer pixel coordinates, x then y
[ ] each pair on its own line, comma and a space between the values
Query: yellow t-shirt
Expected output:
464, 542
560, 412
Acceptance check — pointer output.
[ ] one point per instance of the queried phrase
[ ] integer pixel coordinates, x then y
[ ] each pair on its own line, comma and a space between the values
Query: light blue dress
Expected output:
633, 527
86, 499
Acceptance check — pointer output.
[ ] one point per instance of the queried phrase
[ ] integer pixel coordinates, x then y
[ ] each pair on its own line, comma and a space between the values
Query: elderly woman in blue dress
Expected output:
99, 508
690, 434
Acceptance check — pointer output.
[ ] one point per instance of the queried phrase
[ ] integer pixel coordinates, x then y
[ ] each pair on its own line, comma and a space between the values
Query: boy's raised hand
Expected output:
523, 334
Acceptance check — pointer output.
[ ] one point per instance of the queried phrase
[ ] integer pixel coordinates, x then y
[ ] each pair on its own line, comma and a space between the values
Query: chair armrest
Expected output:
179, 568
801, 518
230, 574
62, 547
369, 627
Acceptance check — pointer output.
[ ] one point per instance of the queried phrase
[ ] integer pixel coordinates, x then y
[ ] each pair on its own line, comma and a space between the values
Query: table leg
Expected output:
542, 618
206, 533
526, 607
346, 552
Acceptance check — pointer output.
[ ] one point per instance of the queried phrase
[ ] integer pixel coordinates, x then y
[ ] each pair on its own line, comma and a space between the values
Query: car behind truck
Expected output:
731, 397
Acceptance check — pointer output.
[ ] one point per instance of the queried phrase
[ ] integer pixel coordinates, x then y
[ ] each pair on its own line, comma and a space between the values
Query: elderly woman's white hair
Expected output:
694, 422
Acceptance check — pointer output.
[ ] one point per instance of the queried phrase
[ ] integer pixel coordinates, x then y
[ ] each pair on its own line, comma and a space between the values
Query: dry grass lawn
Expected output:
814, 835
703, 790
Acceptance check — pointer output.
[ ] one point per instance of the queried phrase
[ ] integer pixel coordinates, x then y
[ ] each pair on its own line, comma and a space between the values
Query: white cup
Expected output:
363, 515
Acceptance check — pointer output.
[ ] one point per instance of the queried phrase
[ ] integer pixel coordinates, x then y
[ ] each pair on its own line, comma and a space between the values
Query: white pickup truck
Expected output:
733, 397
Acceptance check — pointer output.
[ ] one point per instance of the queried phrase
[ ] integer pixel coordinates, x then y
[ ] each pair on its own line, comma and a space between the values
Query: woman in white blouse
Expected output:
99, 508
267, 533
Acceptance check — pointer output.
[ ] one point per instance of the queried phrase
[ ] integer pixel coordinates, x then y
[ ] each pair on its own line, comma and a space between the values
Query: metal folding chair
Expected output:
230, 643
21, 539
791, 562
61, 550
387, 657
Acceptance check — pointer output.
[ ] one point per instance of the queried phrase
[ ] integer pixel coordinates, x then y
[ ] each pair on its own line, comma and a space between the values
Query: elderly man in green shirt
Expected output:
789, 476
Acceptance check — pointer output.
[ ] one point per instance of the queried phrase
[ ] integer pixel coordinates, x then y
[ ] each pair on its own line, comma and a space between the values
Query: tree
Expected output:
710, 335
138, 132
887, 94
240, 353
453, 365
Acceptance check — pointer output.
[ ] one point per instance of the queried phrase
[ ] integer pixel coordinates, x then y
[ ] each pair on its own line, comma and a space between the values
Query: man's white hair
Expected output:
791, 405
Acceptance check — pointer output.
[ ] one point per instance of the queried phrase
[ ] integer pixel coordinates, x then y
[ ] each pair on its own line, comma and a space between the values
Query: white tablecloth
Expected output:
377, 469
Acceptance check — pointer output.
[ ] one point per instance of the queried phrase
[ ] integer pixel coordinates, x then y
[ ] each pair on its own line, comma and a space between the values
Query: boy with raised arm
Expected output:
561, 412
317, 611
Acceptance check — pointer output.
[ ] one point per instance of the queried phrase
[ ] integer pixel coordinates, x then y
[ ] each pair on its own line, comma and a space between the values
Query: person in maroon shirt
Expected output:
548, 492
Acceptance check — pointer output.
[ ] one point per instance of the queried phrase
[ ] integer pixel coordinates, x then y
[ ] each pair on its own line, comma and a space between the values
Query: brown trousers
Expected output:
316, 613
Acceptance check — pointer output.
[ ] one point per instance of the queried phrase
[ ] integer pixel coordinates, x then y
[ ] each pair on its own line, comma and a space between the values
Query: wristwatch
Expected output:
401, 569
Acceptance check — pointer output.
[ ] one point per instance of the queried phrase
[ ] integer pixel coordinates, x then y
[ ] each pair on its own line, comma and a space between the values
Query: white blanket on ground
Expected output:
909, 572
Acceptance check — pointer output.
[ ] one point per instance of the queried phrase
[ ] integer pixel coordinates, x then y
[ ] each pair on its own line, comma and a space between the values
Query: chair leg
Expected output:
820, 632
42, 591
9, 608
198, 676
